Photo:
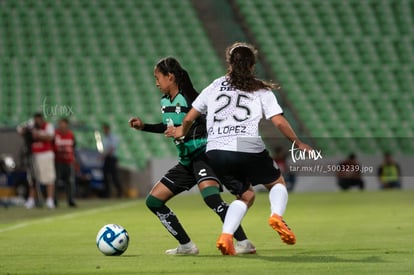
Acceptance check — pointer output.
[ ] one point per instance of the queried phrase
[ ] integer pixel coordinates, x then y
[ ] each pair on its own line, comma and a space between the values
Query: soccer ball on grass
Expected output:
112, 240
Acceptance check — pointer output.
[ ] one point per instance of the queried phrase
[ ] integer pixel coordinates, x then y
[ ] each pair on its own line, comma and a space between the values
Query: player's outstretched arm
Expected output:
138, 124
284, 127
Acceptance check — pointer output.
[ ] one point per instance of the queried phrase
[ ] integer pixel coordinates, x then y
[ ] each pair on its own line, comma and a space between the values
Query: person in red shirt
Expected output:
64, 145
350, 176
41, 134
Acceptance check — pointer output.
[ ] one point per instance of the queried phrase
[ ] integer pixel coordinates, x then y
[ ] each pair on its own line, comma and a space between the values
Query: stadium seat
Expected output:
350, 61
98, 57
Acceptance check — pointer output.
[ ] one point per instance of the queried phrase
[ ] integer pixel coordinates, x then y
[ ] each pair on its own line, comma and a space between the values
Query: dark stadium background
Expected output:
346, 70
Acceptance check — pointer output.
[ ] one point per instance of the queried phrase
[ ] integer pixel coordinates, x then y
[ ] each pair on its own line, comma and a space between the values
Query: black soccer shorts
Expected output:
238, 170
181, 178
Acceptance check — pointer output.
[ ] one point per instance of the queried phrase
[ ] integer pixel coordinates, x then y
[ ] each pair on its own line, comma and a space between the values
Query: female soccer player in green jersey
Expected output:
178, 95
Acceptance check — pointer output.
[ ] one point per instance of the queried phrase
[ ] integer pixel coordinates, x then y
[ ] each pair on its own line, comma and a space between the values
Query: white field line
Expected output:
67, 216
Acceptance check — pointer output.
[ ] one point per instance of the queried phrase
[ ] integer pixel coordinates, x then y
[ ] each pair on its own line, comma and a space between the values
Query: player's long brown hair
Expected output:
185, 85
241, 58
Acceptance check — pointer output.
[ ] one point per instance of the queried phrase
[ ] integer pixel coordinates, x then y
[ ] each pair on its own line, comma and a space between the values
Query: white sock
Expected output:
234, 216
244, 242
188, 245
278, 197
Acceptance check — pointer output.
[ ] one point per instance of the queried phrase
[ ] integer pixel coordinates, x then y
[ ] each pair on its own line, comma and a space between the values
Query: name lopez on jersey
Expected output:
224, 101
228, 130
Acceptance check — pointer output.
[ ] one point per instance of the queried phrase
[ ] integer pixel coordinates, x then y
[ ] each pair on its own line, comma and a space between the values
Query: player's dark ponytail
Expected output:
185, 85
241, 58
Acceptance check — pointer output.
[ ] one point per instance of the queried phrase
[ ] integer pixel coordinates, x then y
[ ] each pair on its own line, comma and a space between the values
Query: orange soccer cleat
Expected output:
225, 244
279, 225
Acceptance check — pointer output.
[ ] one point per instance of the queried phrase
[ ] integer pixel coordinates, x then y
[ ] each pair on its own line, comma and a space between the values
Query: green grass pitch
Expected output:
337, 233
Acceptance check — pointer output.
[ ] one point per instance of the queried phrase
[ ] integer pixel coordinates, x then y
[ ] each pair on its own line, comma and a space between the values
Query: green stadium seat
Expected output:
350, 61
100, 64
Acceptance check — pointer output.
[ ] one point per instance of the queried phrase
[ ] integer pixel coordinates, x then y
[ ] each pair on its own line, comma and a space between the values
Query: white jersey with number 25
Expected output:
233, 116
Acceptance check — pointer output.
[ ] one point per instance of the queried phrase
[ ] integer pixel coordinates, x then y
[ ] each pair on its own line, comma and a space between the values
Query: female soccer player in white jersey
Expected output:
192, 169
235, 104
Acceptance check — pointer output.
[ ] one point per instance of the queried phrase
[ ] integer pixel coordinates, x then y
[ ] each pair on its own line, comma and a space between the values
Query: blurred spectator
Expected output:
40, 133
280, 157
25, 130
389, 174
65, 159
349, 174
110, 167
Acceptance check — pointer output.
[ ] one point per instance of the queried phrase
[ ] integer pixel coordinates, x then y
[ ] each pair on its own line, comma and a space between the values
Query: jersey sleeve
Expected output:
270, 106
155, 128
200, 103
